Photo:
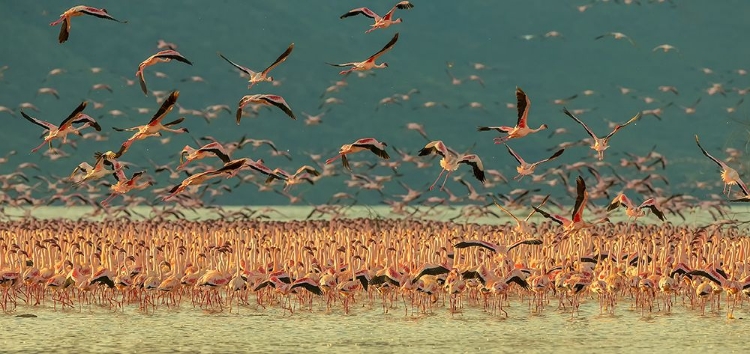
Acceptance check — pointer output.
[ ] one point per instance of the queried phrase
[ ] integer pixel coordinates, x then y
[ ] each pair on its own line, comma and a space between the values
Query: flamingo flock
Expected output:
333, 263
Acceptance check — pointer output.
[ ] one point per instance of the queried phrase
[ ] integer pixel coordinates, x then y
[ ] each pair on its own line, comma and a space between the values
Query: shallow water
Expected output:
432, 34
368, 330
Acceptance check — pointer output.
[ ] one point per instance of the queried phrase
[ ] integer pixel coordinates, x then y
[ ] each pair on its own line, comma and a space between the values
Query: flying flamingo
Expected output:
576, 223
303, 174
380, 22
256, 77
154, 126
633, 211
601, 144
377, 147
79, 11
193, 180
66, 127
98, 170
190, 154
524, 168
264, 99
522, 128
451, 160
125, 184
161, 57
233, 167
728, 175
368, 64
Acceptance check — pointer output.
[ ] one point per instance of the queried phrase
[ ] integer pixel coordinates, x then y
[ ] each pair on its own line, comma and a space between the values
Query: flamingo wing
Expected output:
238, 66
360, 11
403, 5
41, 123
375, 150
620, 126
616, 203
650, 203
386, 48
280, 59
531, 241
515, 155
307, 285
101, 13
581, 199
279, 102
476, 243
85, 118
565, 110
218, 152
718, 162
434, 147
522, 104
173, 55
165, 108
308, 169
554, 156
476, 165
73, 115
64, 30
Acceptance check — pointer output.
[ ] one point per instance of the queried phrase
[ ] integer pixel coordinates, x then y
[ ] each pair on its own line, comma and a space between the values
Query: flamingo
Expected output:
368, 64
616, 35
154, 126
303, 174
495, 247
526, 169
233, 167
576, 222
601, 144
98, 170
266, 100
729, 175
163, 56
633, 211
522, 128
193, 180
256, 77
380, 22
66, 126
451, 160
190, 154
377, 147
125, 184
79, 11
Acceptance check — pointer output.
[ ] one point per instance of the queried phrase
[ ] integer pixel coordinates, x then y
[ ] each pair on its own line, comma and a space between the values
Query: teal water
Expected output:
432, 34
707, 33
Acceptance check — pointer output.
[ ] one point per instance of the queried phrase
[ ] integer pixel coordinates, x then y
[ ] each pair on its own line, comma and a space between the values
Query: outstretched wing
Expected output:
41, 123
360, 11
69, 120
620, 126
280, 59
165, 108
387, 47
238, 66
565, 110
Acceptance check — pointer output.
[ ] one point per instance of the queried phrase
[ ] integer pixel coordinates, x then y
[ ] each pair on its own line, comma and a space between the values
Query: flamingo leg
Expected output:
442, 186
41, 145
437, 179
